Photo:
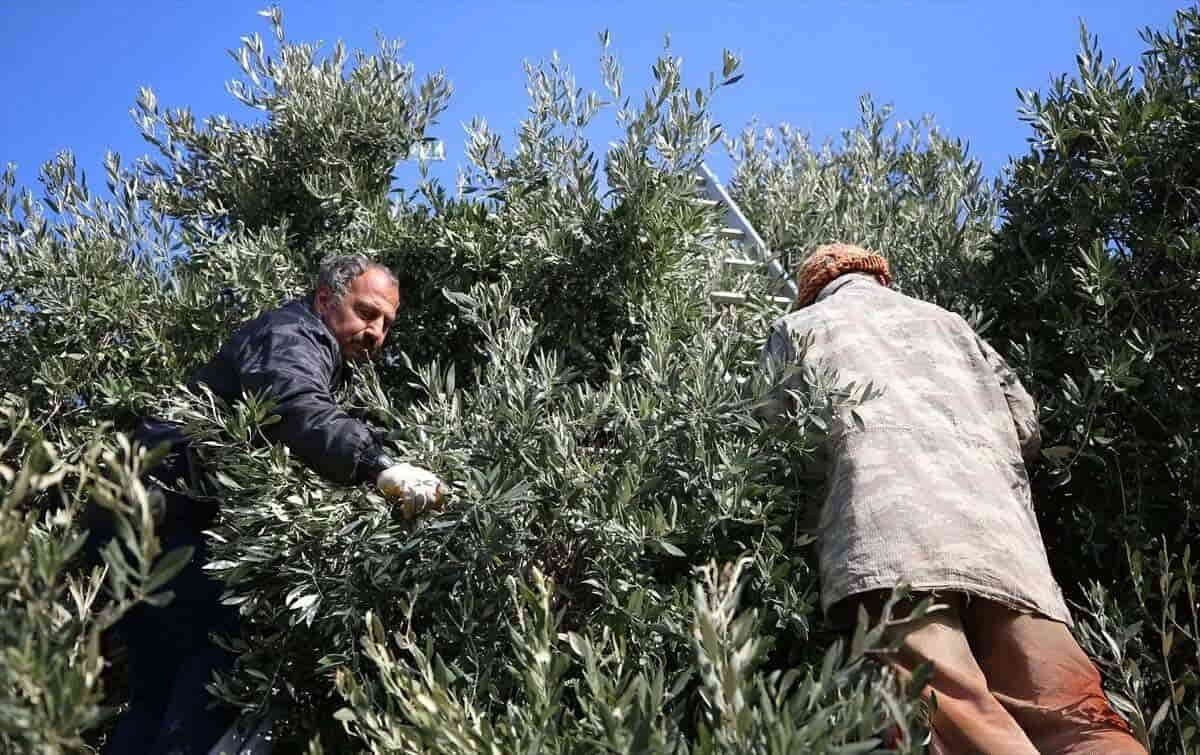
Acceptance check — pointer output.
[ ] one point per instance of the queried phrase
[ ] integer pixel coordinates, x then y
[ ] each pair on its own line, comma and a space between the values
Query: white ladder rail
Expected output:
737, 227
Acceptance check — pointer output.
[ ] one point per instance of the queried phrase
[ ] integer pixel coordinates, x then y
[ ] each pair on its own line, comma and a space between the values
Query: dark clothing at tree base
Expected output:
172, 659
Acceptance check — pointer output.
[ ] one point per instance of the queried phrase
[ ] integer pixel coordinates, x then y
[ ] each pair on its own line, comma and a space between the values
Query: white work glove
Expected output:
418, 490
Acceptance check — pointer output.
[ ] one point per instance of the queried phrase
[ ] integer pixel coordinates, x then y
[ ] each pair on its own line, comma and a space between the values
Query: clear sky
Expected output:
70, 70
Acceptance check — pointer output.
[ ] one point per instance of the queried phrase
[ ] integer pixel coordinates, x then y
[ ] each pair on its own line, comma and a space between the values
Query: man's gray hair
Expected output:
337, 272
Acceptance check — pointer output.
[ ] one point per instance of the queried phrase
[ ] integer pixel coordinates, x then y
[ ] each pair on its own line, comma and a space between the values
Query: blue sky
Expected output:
71, 70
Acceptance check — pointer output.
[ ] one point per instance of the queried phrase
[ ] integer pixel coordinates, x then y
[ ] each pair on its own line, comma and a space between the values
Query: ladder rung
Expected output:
742, 263
732, 233
734, 297
726, 297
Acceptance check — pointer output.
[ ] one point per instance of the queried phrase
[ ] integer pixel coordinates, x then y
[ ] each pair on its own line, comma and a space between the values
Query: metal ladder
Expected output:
746, 253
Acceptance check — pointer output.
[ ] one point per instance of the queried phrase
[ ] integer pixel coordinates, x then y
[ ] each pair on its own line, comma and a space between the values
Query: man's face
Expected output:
360, 320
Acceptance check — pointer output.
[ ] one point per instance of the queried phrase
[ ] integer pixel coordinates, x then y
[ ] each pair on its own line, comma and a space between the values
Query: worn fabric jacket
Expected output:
925, 482
289, 355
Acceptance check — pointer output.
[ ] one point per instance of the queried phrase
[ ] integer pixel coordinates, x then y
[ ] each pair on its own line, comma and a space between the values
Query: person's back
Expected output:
926, 487
936, 455
926, 357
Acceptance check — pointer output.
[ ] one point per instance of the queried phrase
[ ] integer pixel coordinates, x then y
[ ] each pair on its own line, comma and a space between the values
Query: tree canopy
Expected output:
624, 564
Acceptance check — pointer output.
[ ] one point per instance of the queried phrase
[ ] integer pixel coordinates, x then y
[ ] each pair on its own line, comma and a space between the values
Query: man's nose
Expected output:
374, 334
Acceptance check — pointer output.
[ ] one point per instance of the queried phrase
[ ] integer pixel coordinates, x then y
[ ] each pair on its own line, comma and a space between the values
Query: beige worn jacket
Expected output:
926, 482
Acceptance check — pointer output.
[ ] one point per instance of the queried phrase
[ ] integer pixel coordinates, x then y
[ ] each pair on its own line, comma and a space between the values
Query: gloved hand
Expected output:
418, 490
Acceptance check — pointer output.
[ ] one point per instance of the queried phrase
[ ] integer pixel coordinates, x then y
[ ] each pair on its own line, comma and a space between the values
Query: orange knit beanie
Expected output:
831, 261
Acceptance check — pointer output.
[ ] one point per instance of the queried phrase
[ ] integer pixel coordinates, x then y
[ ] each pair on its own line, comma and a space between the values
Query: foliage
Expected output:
559, 365
1097, 286
616, 490
1089, 284
55, 615
1150, 646
903, 188
593, 699
1099, 271
83, 301
321, 163
556, 360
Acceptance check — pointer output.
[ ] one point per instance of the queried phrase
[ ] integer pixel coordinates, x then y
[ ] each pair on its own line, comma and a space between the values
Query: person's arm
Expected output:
288, 364
1020, 404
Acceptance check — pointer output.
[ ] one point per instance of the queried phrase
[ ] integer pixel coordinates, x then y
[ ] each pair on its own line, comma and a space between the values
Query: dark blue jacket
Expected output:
290, 356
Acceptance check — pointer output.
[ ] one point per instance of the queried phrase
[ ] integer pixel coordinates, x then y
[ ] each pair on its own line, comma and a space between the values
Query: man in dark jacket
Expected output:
295, 355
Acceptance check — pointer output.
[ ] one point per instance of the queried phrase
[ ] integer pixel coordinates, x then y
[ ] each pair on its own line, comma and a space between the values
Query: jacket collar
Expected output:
840, 282
308, 306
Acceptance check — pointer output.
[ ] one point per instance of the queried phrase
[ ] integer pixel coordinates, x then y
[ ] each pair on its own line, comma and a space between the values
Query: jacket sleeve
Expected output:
1020, 404
287, 363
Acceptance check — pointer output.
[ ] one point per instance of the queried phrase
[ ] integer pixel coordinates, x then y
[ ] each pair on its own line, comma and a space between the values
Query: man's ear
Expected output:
321, 299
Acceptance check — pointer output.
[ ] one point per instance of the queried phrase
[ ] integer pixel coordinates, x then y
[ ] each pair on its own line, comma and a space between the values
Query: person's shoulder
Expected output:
930, 309
799, 320
947, 320
296, 315
296, 310
293, 322
938, 312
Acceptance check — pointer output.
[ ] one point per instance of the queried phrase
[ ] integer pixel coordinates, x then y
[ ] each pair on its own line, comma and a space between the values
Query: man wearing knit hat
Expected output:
926, 486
